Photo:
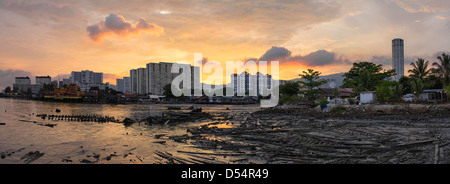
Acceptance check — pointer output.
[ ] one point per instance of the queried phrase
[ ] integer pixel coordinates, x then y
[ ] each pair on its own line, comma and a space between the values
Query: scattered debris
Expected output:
173, 108
178, 118
277, 136
81, 118
86, 161
160, 142
128, 121
67, 160
40, 123
31, 156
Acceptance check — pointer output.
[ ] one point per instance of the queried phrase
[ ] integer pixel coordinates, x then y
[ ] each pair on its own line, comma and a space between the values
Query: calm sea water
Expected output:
81, 142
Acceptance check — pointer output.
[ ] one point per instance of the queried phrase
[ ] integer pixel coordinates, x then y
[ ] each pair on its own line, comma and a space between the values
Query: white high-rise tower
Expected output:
398, 58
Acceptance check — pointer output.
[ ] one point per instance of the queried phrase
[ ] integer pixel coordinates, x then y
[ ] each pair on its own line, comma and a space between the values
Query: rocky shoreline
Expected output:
366, 135
370, 134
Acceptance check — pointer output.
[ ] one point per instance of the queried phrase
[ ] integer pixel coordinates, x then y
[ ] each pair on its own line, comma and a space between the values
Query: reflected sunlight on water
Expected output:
91, 142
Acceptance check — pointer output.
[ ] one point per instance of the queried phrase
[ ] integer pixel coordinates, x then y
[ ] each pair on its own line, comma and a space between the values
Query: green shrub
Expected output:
339, 109
322, 101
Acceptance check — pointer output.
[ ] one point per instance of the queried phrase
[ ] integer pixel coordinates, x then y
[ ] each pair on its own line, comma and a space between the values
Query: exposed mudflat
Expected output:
290, 136
222, 134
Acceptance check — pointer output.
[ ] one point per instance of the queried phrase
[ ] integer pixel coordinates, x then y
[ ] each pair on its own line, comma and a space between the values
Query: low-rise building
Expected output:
433, 95
367, 97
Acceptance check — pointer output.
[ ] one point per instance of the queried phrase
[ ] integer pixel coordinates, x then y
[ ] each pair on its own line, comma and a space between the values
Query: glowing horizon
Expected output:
43, 37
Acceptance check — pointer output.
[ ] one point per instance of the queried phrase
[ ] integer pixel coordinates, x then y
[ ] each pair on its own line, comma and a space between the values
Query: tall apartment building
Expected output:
126, 85
22, 81
41, 80
86, 76
398, 58
123, 85
138, 79
133, 81
246, 82
153, 78
87, 79
21, 84
142, 81
159, 75
120, 85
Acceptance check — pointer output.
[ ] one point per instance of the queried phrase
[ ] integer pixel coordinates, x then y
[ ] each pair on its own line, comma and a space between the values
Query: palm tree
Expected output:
417, 87
443, 67
420, 69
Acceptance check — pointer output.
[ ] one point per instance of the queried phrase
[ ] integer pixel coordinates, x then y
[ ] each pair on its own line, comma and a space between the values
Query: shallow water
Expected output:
91, 142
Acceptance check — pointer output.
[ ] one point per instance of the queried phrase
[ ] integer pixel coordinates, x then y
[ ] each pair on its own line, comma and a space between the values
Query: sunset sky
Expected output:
55, 37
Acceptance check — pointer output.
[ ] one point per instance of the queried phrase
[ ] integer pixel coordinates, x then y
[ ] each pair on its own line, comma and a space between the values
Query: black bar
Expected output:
222, 173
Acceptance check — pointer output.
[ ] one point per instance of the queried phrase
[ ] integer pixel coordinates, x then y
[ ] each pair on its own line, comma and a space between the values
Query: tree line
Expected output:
368, 76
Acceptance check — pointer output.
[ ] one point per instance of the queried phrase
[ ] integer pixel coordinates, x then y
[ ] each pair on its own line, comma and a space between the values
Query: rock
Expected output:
194, 108
197, 110
66, 160
32, 156
86, 161
96, 155
128, 121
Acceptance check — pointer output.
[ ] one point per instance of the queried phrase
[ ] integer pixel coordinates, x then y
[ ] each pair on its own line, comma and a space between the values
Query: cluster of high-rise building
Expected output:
23, 84
151, 79
124, 85
245, 82
84, 79
88, 79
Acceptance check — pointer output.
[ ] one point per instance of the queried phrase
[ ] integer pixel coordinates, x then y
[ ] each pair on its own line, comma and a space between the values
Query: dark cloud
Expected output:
436, 54
317, 58
116, 24
7, 77
275, 53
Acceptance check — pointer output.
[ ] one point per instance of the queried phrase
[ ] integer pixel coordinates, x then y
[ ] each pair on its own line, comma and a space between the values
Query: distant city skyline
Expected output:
42, 37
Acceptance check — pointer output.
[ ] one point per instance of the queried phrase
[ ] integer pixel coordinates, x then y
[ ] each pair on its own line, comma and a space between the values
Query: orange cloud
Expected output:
117, 25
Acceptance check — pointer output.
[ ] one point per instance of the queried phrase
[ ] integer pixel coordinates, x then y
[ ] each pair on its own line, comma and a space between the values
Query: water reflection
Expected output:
91, 142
